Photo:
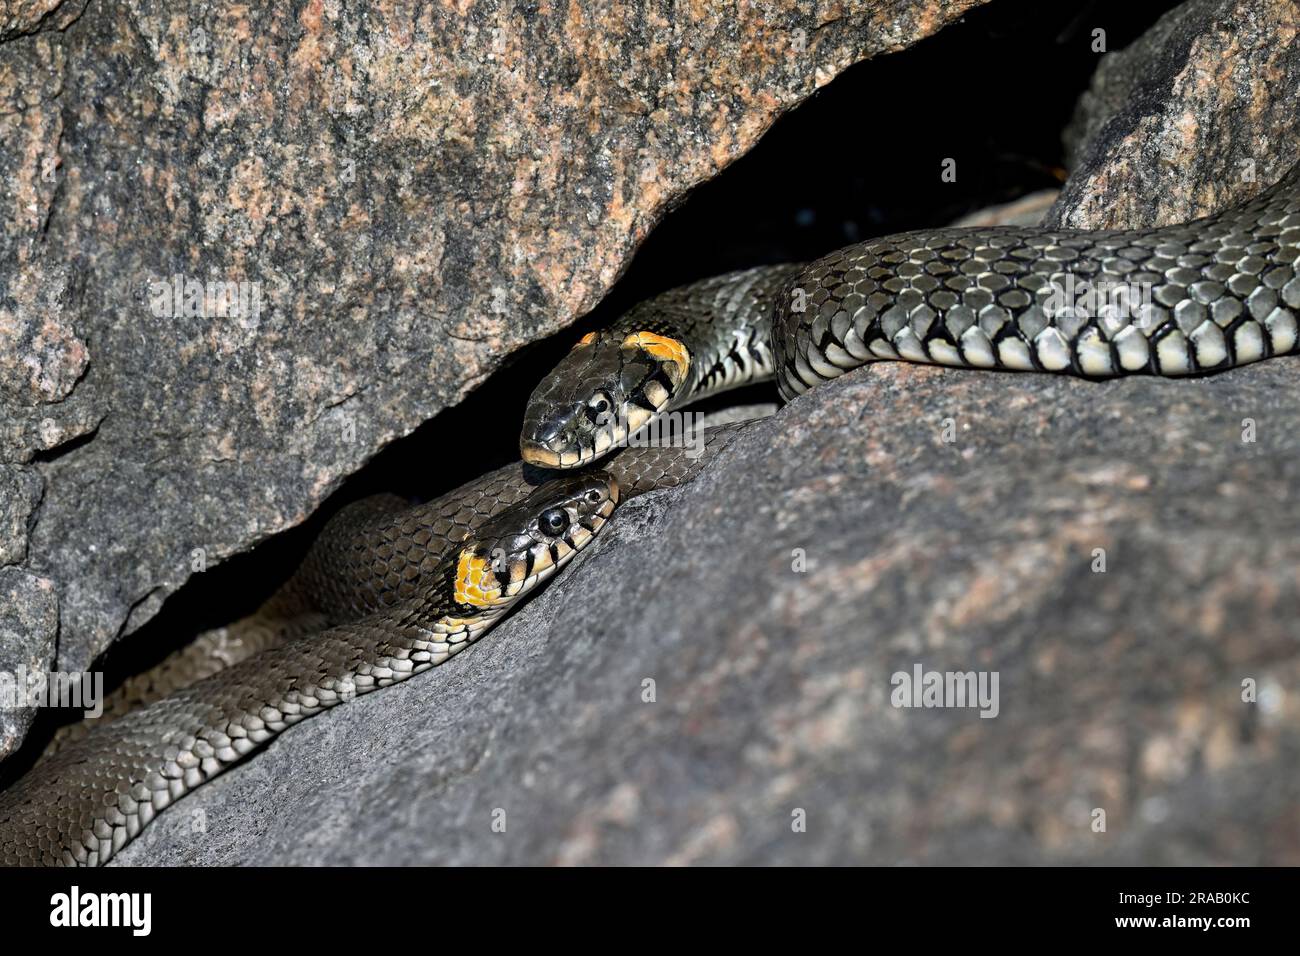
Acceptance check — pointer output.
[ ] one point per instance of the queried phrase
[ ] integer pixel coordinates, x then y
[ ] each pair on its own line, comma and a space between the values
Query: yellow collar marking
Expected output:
664, 349
471, 573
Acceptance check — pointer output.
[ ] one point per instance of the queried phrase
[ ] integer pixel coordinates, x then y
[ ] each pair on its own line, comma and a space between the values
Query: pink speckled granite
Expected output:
408, 193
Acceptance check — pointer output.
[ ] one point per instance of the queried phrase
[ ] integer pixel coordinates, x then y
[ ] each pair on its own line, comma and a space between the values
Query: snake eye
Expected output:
554, 521
597, 407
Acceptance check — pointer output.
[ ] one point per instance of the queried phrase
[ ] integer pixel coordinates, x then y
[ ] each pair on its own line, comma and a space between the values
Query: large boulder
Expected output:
1123, 557
716, 680
1198, 112
243, 247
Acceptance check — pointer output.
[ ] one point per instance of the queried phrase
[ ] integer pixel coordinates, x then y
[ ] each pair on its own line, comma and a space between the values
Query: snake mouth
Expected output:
570, 448
535, 453
543, 457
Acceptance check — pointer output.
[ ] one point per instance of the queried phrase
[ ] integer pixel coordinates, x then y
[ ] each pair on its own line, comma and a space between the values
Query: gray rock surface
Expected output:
1118, 690
29, 625
28, 603
1194, 116
377, 202
20, 494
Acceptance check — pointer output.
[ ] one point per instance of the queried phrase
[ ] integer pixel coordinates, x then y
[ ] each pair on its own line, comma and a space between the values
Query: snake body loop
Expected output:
402, 590
1203, 296
426, 583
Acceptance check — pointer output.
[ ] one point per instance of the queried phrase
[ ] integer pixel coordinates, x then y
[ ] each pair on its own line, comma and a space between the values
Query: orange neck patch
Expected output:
475, 583
665, 349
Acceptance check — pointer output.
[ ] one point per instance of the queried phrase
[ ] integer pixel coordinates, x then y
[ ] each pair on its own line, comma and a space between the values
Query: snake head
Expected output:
606, 388
517, 550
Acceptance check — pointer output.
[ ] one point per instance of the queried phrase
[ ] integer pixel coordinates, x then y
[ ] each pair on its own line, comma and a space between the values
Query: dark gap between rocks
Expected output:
72, 444
859, 158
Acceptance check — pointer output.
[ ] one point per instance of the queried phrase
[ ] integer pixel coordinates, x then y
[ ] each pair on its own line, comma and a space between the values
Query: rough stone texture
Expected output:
28, 605
1119, 690
413, 191
29, 16
1195, 116
29, 624
20, 493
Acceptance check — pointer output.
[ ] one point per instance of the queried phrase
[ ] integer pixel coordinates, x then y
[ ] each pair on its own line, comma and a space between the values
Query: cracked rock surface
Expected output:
1121, 555
1119, 690
243, 247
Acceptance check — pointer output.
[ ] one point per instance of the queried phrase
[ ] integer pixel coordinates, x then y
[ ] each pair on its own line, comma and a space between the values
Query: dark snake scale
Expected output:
1208, 295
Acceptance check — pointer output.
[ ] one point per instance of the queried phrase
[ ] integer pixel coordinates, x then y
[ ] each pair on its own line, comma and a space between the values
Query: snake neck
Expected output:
724, 322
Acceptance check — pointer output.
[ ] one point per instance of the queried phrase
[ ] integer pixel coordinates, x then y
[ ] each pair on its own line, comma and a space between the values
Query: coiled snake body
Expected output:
1199, 297
407, 589
404, 589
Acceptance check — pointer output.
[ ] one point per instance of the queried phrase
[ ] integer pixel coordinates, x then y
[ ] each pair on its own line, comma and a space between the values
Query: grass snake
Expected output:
388, 591
1198, 297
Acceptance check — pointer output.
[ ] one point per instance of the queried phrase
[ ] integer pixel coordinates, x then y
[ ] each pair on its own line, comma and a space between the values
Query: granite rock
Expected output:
1194, 117
243, 247
20, 494
29, 626
18, 17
